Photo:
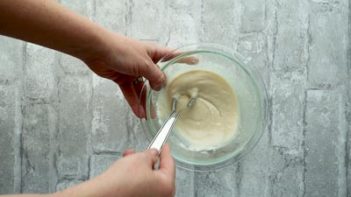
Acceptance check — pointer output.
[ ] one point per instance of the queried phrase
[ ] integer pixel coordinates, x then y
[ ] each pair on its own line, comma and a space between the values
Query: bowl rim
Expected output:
257, 81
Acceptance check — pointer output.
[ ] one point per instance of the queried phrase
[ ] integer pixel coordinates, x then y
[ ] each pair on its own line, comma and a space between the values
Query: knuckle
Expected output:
137, 70
141, 67
144, 66
148, 63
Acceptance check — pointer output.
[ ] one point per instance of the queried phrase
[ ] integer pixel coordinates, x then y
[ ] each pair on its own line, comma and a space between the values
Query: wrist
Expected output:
93, 46
80, 190
89, 188
100, 45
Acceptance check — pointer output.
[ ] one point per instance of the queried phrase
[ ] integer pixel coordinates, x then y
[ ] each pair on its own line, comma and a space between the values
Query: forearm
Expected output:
81, 190
28, 195
85, 189
47, 23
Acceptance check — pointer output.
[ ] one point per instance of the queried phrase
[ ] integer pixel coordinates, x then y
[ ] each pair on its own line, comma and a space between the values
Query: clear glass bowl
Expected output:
251, 101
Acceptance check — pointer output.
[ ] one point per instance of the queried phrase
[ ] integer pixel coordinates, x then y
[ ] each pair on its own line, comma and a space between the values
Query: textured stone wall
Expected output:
60, 124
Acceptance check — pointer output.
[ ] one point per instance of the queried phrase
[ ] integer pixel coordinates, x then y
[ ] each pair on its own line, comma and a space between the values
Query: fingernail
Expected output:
194, 60
154, 152
157, 87
166, 146
162, 81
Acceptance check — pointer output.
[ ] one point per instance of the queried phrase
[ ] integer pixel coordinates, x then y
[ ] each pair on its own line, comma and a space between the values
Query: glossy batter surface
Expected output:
212, 119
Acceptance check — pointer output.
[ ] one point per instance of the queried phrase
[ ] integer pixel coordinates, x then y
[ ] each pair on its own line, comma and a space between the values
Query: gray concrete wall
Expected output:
60, 124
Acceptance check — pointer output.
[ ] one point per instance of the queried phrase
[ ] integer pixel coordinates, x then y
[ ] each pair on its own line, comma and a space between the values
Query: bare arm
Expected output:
117, 180
49, 24
110, 55
29, 195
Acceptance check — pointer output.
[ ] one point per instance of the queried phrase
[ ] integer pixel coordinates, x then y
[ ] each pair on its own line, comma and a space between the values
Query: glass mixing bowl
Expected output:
251, 102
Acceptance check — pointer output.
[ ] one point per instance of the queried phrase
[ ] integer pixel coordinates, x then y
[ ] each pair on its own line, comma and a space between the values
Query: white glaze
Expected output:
212, 120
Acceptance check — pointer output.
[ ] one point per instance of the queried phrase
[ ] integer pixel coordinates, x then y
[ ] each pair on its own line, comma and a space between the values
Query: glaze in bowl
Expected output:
251, 102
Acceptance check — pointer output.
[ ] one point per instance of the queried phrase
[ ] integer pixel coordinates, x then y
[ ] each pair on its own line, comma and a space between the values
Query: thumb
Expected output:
154, 74
152, 156
128, 152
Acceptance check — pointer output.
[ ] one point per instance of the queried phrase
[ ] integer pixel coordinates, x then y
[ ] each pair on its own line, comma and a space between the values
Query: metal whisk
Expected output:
166, 128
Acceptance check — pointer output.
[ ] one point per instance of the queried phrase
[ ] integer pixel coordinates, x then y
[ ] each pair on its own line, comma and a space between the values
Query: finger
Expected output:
164, 54
128, 152
152, 110
167, 164
140, 92
152, 156
154, 74
140, 89
191, 60
133, 100
157, 52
